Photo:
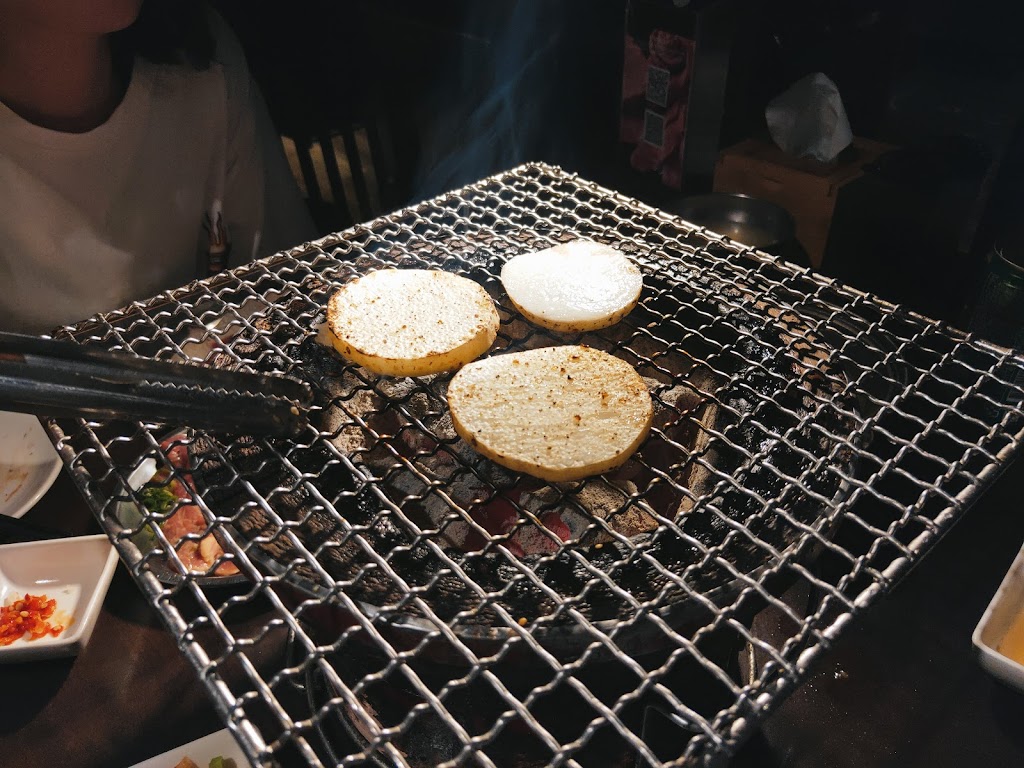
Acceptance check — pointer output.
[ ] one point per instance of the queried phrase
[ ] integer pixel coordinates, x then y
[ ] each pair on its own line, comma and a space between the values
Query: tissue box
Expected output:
806, 188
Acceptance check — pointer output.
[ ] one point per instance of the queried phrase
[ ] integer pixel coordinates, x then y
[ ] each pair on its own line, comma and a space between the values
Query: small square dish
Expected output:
75, 572
999, 637
201, 751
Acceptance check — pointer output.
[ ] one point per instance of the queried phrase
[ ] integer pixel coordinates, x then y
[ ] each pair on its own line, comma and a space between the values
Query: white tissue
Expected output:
808, 119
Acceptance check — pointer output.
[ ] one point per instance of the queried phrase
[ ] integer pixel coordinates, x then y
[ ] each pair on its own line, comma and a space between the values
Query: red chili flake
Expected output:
28, 616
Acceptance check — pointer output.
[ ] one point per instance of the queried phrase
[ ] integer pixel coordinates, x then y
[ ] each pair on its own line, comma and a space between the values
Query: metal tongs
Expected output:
52, 378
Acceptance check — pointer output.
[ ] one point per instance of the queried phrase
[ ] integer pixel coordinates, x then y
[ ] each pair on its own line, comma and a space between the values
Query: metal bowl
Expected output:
745, 219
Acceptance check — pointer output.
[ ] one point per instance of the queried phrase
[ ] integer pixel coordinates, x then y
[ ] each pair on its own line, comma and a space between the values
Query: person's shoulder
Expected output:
228, 54
226, 72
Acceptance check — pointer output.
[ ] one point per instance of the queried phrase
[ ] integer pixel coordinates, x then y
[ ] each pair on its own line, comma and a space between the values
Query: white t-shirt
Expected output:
92, 221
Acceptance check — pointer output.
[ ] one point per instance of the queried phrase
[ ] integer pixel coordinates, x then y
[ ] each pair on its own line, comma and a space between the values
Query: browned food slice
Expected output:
411, 322
557, 413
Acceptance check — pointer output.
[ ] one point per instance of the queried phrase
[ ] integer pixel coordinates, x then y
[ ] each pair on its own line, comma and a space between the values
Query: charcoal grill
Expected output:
808, 437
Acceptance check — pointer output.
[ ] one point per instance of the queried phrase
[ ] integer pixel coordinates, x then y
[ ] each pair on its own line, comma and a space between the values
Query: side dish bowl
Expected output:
201, 751
28, 463
75, 572
131, 515
993, 637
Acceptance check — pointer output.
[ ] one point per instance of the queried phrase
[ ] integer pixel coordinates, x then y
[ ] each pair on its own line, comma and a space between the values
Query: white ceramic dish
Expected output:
28, 463
76, 572
201, 752
1005, 606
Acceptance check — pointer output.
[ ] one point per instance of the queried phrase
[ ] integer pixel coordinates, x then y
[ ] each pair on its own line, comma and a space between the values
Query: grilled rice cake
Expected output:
411, 322
573, 287
558, 413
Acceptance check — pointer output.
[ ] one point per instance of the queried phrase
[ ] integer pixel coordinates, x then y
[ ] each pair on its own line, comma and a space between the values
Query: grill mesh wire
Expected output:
848, 436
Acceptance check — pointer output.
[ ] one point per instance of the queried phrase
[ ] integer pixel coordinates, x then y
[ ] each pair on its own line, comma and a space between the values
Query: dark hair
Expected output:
168, 32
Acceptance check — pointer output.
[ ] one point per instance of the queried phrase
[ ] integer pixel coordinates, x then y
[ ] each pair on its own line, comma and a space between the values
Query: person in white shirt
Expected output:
136, 154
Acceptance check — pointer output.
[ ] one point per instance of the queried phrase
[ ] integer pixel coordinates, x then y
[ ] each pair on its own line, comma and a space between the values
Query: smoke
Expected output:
503, 107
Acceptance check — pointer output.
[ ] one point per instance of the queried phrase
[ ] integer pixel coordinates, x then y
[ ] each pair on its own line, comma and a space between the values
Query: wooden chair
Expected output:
348, 173
351, 158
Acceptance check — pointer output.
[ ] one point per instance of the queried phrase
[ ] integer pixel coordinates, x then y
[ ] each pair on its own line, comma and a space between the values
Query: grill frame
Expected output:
555, 202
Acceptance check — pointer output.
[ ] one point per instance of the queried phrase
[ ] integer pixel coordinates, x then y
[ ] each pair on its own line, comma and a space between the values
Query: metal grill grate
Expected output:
437, 610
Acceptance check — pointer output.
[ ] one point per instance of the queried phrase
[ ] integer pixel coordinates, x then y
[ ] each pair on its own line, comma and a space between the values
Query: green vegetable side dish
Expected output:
159, 501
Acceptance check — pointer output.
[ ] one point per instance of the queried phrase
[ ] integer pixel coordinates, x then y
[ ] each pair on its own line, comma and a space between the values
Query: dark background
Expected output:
463, 89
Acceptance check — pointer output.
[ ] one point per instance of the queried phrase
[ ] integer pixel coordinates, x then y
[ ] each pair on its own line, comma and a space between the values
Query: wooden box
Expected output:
808, 189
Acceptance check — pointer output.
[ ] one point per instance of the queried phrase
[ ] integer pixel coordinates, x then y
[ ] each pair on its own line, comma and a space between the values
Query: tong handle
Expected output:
53, 378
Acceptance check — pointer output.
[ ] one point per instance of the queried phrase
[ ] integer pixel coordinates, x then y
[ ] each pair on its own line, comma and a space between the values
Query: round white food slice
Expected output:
411, 322
557, 413
573, 287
